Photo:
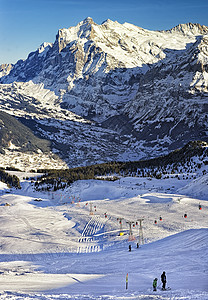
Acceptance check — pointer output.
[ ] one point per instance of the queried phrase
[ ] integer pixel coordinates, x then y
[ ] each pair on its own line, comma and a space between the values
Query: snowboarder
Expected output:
155, 285
163, 279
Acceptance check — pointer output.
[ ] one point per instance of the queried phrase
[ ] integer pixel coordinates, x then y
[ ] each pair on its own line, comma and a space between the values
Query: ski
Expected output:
166, 289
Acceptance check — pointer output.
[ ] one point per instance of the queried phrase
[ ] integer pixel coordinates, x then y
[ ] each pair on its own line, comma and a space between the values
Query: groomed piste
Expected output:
74, 243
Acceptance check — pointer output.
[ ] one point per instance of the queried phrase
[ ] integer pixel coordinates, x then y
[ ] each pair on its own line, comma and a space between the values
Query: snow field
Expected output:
53, 248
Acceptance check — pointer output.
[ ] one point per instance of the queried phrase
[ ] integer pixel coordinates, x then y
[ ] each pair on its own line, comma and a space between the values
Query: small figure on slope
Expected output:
163, 279
155, 285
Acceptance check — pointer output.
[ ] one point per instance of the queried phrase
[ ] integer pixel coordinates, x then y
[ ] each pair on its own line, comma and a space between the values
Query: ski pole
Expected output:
127, 279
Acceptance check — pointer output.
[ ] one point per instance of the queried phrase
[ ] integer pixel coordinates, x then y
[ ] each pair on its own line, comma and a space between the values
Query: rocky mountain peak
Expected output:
44, 46
87, 20
81, 32
190, 29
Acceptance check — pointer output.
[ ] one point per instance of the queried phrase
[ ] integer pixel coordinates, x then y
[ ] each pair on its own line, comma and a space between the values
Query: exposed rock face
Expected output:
5, 69
171, 106
148, 87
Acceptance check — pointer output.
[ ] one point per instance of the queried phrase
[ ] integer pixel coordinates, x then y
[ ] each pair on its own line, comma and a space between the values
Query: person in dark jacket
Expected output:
163, 279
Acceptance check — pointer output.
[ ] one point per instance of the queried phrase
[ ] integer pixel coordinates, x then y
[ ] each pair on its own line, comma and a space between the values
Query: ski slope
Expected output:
66, 244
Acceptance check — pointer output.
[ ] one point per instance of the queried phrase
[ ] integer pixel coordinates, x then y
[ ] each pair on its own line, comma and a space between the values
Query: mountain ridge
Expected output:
193, 28
144, 90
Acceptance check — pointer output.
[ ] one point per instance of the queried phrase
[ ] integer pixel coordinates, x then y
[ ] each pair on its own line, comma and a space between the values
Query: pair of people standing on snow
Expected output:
163, 279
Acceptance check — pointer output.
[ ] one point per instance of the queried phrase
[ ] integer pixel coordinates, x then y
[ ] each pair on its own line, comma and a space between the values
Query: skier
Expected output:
155, 285
163, 279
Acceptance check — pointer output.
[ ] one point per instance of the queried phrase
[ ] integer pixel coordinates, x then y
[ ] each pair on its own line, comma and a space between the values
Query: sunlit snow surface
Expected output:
52, 248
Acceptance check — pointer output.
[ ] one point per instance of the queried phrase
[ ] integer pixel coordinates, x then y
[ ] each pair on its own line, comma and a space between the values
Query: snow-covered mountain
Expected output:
113, 91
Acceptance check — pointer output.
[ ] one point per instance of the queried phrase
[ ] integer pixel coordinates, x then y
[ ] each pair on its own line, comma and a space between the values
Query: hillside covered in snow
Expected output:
74, 243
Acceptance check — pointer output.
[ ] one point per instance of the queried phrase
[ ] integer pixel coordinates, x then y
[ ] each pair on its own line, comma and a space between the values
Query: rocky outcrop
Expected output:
5, 69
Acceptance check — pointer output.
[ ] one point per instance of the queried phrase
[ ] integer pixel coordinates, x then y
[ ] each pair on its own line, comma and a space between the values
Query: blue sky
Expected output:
25, 24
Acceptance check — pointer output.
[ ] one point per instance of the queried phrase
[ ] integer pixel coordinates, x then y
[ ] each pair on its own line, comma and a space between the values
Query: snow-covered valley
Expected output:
66, 244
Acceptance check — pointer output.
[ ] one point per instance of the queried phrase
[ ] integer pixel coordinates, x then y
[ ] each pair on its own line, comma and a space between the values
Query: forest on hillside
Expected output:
10, 180
157, 167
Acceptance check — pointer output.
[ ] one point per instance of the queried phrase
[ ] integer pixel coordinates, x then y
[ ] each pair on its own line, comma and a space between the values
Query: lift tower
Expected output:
131, 237
141, 237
